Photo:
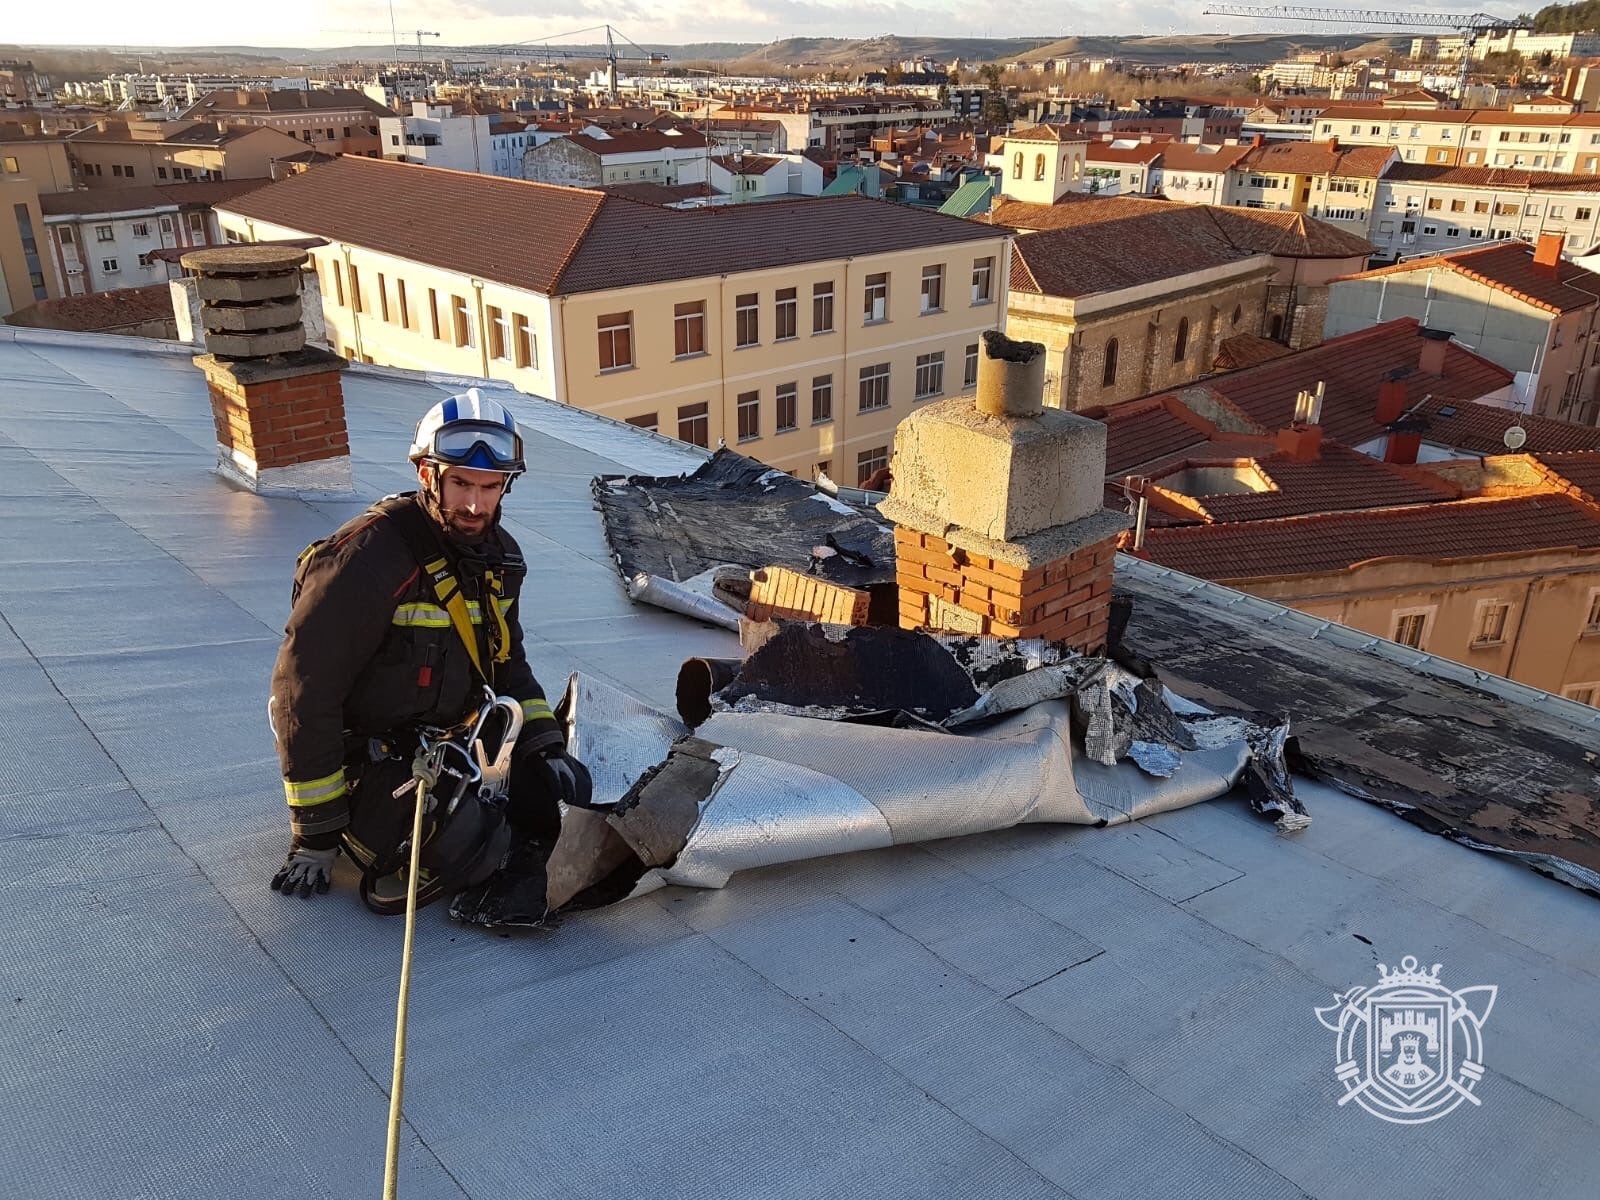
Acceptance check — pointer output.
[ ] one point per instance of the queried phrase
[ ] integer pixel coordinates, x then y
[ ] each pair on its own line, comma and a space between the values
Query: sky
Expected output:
479, 22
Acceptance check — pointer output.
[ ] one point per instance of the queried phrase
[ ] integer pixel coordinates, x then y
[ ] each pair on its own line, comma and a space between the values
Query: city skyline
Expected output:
462, 23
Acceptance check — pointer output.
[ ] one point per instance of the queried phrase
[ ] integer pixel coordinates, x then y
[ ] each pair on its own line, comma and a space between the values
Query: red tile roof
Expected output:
1579, 469
1329, 542
1318, 158
637, 141
98, 311
1498, 178
1186, 156
1247, 350
560, 240
1043, 133
288, 100
1143, 431
1352, 366
138, 198
1481, 429
1509, 267
1144, 153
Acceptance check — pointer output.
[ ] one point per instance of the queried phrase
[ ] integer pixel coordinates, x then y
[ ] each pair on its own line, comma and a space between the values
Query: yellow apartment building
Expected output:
798, 331
113, 154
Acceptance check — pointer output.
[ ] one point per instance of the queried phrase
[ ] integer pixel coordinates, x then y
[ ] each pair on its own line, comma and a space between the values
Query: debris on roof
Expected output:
671, 536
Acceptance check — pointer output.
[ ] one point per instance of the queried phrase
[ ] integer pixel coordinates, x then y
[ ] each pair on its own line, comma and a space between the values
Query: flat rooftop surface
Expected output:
1043, 1012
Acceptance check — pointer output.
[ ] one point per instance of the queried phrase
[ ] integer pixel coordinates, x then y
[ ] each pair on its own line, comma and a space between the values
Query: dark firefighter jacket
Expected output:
369, 651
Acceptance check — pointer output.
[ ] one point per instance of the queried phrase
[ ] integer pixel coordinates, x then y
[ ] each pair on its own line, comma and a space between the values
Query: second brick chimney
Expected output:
999, 523
1434, 342
1547, 252
278, 404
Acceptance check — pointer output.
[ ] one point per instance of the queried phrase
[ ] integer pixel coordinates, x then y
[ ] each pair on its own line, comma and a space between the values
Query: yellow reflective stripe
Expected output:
537, 710
431, 616
314, 791
503, 605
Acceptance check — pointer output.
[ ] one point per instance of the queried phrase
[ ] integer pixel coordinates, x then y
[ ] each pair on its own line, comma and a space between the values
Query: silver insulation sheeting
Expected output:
755, 788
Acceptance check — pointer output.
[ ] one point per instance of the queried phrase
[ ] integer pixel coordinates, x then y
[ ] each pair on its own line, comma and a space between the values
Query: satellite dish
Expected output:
1516, 437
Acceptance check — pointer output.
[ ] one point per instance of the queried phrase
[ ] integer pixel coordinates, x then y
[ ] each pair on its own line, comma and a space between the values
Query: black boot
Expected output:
515, 895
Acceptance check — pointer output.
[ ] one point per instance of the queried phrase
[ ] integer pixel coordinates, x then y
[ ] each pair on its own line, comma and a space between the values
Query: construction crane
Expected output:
611, 57
1468, 26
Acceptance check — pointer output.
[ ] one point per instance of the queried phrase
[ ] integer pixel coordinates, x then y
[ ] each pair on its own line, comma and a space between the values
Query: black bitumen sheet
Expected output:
1448, 758
735, 511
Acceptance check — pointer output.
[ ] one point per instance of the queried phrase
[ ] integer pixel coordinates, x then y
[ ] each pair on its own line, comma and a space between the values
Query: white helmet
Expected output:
470, 430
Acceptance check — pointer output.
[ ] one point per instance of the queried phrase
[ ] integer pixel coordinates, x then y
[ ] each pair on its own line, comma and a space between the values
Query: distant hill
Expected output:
818, 52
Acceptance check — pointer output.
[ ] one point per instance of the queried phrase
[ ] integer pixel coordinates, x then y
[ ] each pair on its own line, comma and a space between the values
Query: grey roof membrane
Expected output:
1043, 1012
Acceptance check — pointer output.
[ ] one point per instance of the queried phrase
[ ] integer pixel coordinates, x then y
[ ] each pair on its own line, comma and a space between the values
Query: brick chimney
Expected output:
1547, 251
1392, 401
999, 523
1434, 341
1333, 143
277, 403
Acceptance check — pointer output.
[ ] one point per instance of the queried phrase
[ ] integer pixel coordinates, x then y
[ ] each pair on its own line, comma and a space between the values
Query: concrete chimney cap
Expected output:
245, 260
1435, 335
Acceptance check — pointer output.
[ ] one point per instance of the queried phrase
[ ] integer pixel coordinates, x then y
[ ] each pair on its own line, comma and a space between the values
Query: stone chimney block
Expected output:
277, 404
1000, 528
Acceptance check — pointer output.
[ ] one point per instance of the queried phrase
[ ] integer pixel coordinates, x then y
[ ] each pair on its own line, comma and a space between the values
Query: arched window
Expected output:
1238, 312
1016, 166
1180, 348
1277, 328
1038, 166
1077, 168
1108, 377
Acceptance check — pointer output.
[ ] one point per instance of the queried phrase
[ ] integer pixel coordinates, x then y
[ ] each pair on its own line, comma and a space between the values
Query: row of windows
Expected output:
1040, 170
872, 395
1180, 348
511, 336
1473, 135
1414, 626
615, 330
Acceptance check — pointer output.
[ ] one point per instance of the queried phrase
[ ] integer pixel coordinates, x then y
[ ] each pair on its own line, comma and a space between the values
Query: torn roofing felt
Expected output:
734, 511
1483, 771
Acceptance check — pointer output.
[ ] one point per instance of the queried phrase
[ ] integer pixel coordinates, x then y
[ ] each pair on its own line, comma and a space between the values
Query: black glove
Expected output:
568, 778
305, 871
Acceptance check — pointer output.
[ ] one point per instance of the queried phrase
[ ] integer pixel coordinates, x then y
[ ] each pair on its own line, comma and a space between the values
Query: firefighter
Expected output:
400, 620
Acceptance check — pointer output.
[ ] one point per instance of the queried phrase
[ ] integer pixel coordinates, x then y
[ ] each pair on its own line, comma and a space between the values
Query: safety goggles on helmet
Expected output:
477, 444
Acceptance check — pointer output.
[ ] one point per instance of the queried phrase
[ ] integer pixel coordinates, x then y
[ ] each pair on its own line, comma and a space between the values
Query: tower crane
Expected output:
1468, 26
612, 58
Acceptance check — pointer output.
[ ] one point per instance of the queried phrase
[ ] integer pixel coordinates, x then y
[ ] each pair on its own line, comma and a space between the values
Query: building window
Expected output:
933, 289
1411, 627
197, 226
616, 342
1584, 214
822, 307
788, 315
788, 404
527, 347
433, 313
747, 320
821, 399
822, 468
969, 370
1016, 165
876, 297
874, 390
104, 233
644, 421
930, 375
1108, 373
1038, 168
383, 296
355, 290
1490, 627
1180, 347
694, 426
689, 328
338, 282
1591, 623
65, 235
141, 229
749, 416
12, 167
870, 462
405, 310
461, 322
499, 333
110, 266
1583, 693
982, 280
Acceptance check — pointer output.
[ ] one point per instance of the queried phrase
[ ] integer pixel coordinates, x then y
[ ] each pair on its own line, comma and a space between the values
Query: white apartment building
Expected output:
1562, 142
1426, 210
759, 176
597, 157
439, 135
800, 331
